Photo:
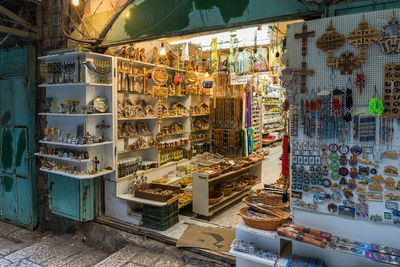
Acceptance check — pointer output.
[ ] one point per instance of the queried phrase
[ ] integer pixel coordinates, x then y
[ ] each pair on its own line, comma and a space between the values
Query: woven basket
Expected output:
263, 193
250, 179
267, 203
270, 223
237, 167
215, 197
240, 187
226, 190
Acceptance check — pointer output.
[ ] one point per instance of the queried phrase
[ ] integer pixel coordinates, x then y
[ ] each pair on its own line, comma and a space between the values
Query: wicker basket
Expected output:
266, 203
240, 186
237, 167
215, 197
270, 223
263, 193
250, 179
226, 190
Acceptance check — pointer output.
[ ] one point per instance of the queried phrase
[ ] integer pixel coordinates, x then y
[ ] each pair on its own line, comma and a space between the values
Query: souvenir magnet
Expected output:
387, 216
375, 187
300, 159
362, 211
317, 160
390, 183
390, 205
351, 184
297, 195
333, 148
318, 199
343, 160
356, 150
376, 197
396, 217
335, 175
334, 156
311, 160
343, 181
305, 160
294, 159
332, 208
347, 211
376, 218
392, 195
324, 147
343, 171
327, 183
336, 188
344, 149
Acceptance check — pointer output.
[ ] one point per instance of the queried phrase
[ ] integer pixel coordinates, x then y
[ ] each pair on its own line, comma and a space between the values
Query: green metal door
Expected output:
18, 202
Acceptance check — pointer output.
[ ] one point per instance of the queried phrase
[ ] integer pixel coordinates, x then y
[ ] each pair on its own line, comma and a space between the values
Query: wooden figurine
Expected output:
304, 35
155, 56
303, 72
362, 37
142, 55
330, 41
347, 63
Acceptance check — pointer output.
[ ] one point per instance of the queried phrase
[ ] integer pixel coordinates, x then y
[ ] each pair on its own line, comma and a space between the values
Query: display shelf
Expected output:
174, 117
131, 151
231, 173
228, 200
131, 197
271, 122
38, 154
72, 54
61, 85
137, 119
75, 115
135, 136
274, 130
198, 115
83, 177
75, 145
174, 134
196, 131
252, 258
132, 93
272, 113
151, 65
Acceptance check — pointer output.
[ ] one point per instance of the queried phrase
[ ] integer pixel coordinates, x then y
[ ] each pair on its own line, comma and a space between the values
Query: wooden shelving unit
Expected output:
204, 185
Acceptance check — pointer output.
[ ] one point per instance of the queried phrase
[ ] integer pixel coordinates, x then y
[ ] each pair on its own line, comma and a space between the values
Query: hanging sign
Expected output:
214, 62
239, 79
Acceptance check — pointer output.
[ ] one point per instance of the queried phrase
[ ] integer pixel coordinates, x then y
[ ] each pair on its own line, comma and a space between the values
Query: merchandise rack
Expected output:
84, 86
204, 185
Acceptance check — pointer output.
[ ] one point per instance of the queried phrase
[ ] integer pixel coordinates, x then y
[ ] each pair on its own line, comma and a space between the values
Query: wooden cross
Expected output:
303, 36
330, 41
303, 72
362, 37
347, 63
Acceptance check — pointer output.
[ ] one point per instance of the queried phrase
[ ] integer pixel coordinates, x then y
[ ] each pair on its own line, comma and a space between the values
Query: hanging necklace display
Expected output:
361, 37
391, 91
329, 41
367, 130
349, 100
390, 37
375, 106
360, 80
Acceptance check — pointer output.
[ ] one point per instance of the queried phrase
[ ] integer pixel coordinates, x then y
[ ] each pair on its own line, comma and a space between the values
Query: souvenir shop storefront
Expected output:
186, 131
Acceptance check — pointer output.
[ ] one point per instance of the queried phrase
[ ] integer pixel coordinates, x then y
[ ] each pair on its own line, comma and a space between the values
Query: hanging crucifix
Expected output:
362, 37
95, 163
330, 41
304, 35
303, 72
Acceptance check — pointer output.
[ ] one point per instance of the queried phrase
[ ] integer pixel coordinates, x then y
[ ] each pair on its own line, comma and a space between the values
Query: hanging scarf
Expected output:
285, 155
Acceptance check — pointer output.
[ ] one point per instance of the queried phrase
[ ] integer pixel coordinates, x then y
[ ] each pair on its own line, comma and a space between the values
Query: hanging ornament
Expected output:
390, 37
360, 81
375, 106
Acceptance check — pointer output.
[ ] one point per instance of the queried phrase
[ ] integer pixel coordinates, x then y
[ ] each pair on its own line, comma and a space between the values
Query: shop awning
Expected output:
149, 19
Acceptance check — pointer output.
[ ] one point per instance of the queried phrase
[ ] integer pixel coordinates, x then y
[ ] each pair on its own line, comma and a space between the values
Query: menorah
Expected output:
55, 68
102, 67
68, 68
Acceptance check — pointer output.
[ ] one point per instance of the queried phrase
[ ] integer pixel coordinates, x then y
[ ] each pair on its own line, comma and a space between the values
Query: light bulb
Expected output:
127, 15
162, 50
206, 75
75, 2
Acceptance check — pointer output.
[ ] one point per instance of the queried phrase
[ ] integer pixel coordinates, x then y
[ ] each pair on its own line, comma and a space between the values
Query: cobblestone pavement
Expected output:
23, 248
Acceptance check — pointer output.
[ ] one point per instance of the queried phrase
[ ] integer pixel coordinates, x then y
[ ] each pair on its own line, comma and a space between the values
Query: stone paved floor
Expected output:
23, 248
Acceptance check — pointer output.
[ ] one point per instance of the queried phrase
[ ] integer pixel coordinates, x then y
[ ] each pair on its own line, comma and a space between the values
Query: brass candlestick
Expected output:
84, 109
